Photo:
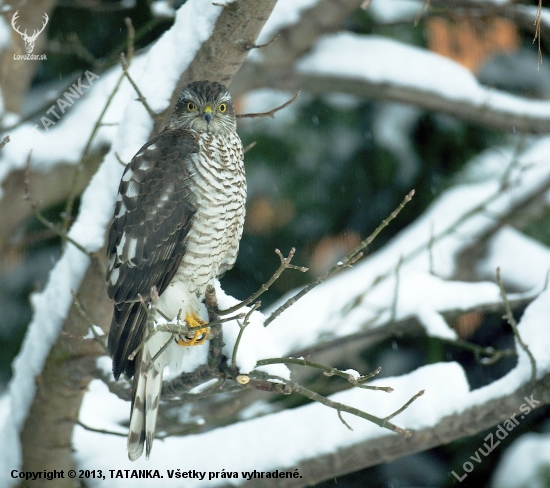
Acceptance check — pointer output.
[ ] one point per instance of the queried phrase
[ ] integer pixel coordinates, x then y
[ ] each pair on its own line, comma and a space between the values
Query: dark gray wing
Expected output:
153, 215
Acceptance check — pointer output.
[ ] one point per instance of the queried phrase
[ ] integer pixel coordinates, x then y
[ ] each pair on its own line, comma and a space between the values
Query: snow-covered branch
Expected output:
390, 70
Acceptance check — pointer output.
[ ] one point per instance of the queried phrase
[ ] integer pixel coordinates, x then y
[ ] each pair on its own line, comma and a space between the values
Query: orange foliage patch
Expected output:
471, 41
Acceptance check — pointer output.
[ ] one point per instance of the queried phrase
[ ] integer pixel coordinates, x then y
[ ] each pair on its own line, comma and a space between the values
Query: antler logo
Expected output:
29, 40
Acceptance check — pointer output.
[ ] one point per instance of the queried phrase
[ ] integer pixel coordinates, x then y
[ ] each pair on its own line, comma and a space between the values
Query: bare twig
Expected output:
451, 228
119, 159
211, 302
213, 323
271, 113
342, 420
269, 386
152, 310
285, 264
77, 47
100, 431
88, 319
259, 46
512, 321
241, 332
537, 31
43, 220
73, 193
396, 290
404, 407
329, 371
249, 147
141, 98
352, 257
5, 140
484, 355
130, 40
297, 388
157, 355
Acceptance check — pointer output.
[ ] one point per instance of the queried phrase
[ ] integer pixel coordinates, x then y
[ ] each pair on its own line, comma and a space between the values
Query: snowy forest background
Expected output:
449, 98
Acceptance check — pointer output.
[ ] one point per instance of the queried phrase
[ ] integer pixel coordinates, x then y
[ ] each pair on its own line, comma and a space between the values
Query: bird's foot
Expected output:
194, 337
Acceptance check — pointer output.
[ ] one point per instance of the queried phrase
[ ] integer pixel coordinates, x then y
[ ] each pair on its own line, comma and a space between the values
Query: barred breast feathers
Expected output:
212, 243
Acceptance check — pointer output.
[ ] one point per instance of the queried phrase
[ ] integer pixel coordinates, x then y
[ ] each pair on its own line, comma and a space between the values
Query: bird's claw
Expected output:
194, 337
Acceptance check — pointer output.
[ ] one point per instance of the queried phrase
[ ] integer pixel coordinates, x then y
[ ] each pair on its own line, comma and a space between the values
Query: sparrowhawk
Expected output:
177, 225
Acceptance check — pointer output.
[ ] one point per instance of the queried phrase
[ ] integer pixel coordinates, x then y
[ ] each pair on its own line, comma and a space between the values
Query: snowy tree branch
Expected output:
330, 371
387, 448
47, 188
498, 116
295, 40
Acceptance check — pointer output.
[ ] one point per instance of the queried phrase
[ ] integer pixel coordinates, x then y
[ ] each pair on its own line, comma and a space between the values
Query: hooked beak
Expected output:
208, 114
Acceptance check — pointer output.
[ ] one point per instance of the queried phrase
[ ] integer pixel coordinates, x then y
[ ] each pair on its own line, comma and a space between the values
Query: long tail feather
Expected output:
145, 405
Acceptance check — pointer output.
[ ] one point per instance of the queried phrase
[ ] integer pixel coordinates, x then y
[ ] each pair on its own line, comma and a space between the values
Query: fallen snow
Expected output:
387, 11
285, 13
5, 34
262, 443
530, 451
387, 62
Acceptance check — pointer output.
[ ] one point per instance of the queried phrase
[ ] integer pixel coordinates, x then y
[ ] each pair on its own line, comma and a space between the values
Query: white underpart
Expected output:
213, 241
176, 300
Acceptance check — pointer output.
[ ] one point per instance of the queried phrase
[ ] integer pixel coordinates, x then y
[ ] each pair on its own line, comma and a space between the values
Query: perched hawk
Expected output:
177, 225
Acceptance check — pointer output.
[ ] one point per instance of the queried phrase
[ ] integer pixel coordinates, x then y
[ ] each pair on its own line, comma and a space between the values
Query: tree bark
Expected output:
46, 436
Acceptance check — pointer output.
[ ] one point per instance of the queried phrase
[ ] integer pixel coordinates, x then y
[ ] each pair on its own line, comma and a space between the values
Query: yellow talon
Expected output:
199, 335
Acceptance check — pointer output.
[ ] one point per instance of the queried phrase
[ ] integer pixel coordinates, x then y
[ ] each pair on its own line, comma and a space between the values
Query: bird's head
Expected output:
204, 106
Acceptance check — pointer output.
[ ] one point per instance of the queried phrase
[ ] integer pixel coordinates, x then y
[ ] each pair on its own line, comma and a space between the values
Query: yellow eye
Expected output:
191, 106
222, 108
